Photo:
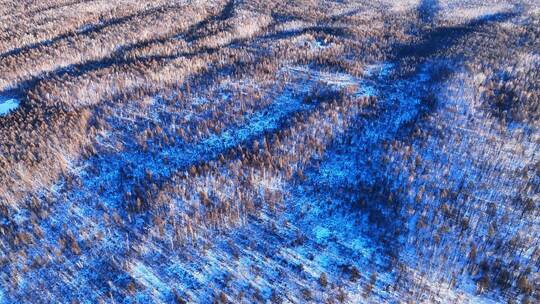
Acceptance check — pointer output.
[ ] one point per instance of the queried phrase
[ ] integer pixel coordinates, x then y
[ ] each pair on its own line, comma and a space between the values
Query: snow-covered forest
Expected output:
250, 151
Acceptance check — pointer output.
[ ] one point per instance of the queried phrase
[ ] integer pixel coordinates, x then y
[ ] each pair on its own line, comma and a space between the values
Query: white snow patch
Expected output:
336, 79
145, 276
381, 69
313, 43
295, 25
342, 80
360, 245
8, 105
321, 233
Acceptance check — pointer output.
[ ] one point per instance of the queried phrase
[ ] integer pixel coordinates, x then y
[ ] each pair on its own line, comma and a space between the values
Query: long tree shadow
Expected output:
80, 69
190, 35
119, 58
201, 80
411, 60
194, 32
428, 10
206, 78
116, 161
430, 44
438, 41
92, 29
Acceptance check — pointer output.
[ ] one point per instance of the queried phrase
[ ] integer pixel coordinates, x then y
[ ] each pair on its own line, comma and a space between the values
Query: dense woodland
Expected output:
258, 152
